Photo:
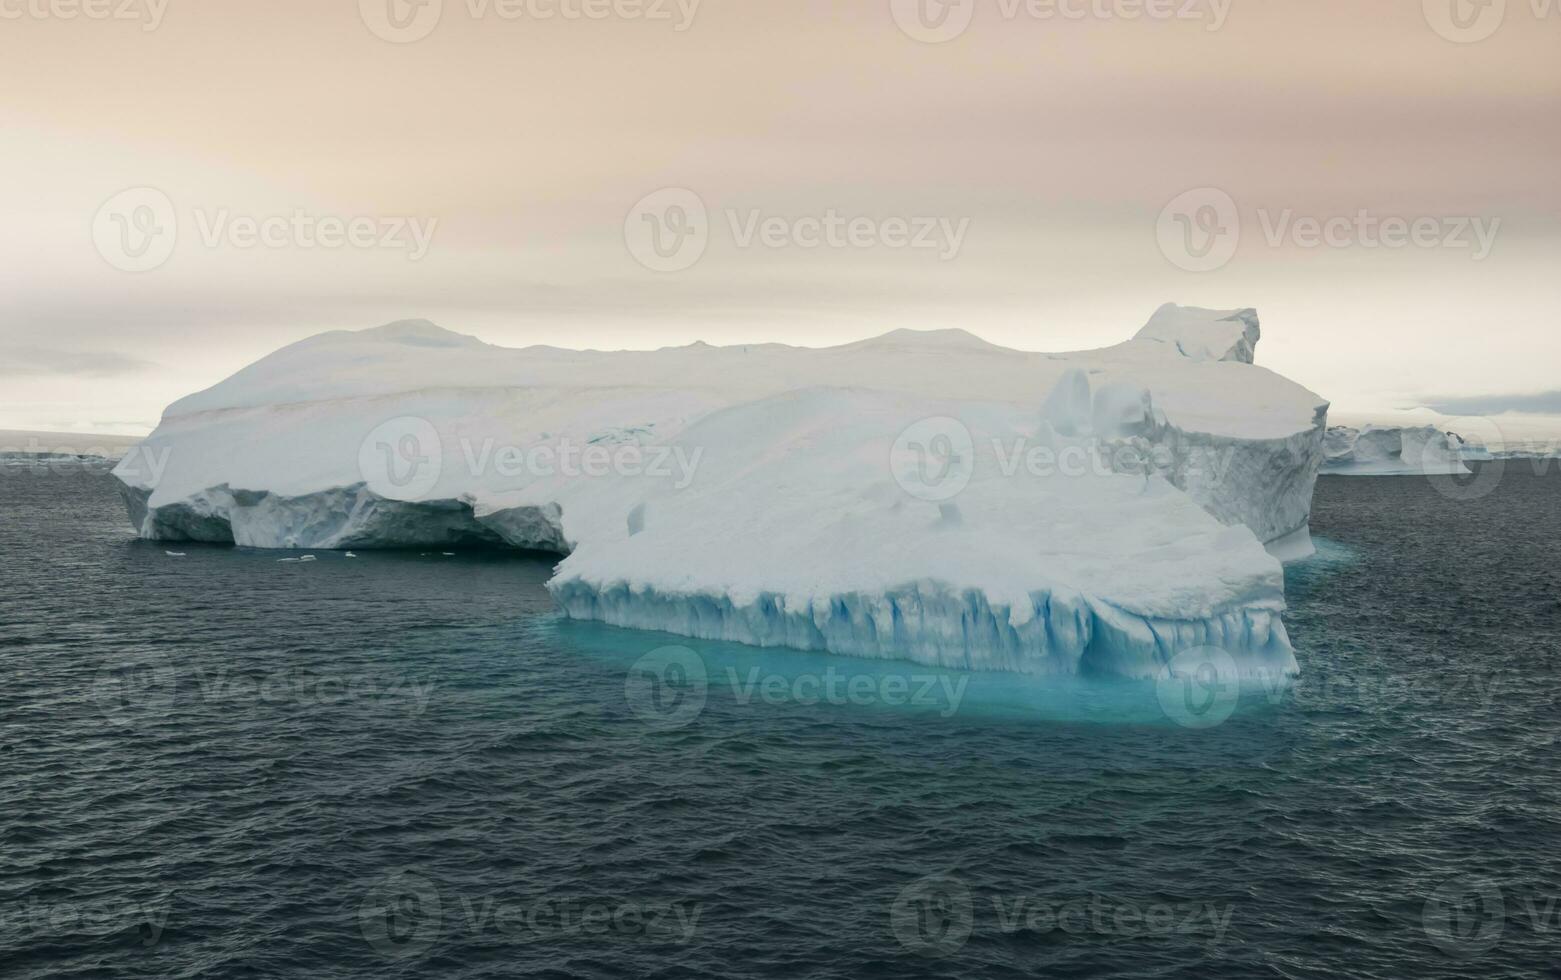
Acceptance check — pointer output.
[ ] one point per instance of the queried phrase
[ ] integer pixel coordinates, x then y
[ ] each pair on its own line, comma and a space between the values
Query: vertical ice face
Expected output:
748, 491
1068, 408
1122, 411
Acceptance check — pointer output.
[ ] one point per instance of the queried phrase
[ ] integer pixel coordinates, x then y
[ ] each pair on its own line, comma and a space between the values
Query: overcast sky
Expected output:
1019, 170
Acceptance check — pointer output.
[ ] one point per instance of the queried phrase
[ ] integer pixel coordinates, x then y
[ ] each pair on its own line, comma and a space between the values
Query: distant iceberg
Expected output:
1397, 451
921, 495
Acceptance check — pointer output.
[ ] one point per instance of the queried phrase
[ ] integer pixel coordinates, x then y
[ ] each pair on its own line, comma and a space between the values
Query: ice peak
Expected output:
1205, 335
950, 338
418, 333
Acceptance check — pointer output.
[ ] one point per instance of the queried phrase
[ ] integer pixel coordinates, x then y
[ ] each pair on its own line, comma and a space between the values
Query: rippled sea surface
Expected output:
402, 765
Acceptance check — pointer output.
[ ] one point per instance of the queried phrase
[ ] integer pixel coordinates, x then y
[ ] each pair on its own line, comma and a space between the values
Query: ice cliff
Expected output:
920, 495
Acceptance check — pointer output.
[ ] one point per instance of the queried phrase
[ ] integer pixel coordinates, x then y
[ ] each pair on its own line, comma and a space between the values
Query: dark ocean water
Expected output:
403, 766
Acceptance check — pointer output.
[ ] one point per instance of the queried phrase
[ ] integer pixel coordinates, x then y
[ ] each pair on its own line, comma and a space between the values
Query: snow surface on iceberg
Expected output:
920, 495
1394, 451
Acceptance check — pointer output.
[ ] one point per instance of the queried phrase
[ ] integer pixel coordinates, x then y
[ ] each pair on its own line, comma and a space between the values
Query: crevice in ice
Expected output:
346, 517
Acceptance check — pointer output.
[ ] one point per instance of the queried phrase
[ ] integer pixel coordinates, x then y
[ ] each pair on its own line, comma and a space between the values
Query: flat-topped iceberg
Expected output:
921, 495
1396, 451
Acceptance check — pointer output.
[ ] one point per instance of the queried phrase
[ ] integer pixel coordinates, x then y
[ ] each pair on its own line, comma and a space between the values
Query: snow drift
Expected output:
920, 495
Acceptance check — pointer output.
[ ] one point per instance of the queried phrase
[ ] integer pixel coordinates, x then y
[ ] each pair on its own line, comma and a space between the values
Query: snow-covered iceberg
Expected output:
1395, 451
920, 495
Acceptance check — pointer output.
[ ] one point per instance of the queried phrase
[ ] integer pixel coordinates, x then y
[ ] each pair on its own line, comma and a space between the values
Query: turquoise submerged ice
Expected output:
924, 496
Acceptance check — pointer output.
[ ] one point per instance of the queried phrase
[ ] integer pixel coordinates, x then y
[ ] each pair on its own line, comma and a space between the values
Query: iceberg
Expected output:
922, 495
58, 450
1397, 451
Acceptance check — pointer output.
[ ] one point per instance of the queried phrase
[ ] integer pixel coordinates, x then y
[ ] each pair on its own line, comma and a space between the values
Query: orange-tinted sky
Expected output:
1036, 149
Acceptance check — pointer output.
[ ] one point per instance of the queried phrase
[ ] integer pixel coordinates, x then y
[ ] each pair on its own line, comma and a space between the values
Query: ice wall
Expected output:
1393, 451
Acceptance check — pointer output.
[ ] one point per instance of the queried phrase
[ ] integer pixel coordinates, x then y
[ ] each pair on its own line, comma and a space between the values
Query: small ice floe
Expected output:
349, 555
284, 561
448, 554
175, 554
308, 558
